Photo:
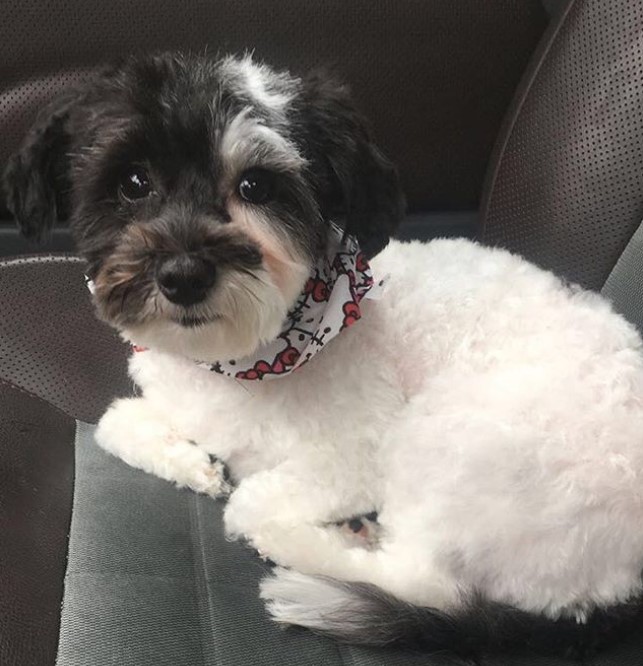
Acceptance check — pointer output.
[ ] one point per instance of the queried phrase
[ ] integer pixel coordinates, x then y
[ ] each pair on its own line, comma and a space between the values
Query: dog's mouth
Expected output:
195, 321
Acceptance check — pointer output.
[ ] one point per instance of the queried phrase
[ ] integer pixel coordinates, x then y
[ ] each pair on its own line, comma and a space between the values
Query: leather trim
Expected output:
36, 488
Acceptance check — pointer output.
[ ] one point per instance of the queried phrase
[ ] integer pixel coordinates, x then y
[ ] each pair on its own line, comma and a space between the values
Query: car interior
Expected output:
517, 123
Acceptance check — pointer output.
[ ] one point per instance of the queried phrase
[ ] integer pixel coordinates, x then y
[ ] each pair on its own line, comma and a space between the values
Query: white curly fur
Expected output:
492, 415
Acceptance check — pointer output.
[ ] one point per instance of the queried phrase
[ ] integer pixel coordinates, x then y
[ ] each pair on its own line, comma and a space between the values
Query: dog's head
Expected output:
200, 193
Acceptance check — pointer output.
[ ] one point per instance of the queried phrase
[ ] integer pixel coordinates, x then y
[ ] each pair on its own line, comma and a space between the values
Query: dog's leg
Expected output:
138, 433
294, 496
284, 514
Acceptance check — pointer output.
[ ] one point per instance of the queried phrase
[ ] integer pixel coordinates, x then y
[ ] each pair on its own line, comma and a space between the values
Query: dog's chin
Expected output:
214, 333
245, 311
208, 341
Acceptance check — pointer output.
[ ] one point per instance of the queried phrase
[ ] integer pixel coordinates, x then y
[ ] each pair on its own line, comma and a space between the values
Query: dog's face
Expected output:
200, 193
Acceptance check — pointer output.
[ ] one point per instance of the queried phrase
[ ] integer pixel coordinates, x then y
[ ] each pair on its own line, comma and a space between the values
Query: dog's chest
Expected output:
341, 399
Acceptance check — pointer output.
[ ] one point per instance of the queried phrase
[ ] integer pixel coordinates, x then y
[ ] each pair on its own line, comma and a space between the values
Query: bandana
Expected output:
329, 303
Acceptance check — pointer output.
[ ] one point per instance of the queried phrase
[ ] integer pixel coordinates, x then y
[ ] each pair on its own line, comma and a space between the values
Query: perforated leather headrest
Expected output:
434, 80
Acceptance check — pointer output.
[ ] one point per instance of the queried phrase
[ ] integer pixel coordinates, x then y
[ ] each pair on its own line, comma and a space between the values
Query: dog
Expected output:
235, 222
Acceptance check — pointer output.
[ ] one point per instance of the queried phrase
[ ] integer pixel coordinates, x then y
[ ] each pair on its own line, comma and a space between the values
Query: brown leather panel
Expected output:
566, 185
435, 76
36, 487
51, 344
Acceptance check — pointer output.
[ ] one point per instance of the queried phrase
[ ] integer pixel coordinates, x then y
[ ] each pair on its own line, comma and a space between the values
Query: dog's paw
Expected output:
190, 466
361, 531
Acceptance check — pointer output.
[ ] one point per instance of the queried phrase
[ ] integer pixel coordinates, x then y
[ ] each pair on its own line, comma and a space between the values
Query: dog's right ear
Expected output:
361, 187
36, 179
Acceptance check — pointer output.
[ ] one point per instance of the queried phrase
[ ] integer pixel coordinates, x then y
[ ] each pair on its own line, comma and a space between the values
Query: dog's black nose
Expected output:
185, 280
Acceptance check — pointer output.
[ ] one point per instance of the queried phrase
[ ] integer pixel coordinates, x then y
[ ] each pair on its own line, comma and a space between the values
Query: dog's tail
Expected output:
362, 614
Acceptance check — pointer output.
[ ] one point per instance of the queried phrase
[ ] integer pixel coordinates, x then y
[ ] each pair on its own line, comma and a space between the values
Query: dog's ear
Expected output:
36, 179
360, 185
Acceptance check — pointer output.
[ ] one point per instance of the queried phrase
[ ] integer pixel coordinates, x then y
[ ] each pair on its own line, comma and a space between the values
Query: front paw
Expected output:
138, 433
190, 466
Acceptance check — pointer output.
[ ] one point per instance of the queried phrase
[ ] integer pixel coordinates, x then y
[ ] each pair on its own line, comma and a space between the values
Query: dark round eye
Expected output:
256, 186
135, 183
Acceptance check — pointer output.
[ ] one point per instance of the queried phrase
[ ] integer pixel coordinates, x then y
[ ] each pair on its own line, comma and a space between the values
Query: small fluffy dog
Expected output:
490, 414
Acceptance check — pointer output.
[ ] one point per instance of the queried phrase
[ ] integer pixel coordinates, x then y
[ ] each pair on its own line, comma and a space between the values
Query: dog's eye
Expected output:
256, 186
135, 184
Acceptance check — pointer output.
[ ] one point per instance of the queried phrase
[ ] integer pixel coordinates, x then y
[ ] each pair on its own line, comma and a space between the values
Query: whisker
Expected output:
254, 276
250, 292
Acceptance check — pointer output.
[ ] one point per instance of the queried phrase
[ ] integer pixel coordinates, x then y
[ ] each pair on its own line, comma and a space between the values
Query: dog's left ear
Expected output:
358, 183
35, 180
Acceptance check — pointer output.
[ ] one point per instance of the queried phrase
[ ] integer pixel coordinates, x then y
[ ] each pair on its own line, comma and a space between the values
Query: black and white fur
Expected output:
492, 416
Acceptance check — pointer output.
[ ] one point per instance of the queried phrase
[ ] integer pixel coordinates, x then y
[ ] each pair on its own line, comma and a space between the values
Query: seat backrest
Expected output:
52, 346
434, 79
565, 188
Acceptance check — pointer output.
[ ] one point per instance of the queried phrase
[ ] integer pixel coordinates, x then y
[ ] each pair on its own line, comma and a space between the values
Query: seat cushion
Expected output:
151, 581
